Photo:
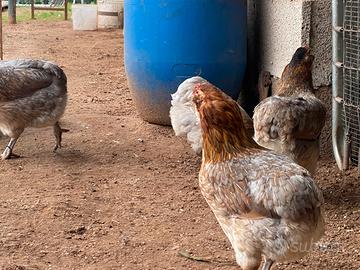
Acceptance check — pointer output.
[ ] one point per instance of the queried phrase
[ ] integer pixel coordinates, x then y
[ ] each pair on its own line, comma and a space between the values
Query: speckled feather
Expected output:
264, 182
21, 78
283, 119
291, 122
266, 204
32, 93
184, 117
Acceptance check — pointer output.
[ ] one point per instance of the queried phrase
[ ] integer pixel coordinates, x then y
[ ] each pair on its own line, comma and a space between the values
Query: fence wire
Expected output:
50, 3
351, 77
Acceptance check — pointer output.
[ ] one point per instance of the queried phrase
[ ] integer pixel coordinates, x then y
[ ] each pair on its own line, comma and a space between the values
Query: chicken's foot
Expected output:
8, 150
58, 131
267, 264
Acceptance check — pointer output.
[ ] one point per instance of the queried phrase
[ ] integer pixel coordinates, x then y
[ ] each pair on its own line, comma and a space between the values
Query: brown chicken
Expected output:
291, 121
267, 205
33, 93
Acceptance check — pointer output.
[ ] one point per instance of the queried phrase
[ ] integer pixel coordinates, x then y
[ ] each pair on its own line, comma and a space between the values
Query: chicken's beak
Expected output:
309, 55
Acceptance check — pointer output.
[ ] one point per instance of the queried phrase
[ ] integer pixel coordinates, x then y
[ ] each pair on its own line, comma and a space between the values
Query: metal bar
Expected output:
12, 11
347, 151
339, 64
352, 68
338, 135
48, 8
351, 77
352, 105
338, 29
339, 100
359, 162
351, 30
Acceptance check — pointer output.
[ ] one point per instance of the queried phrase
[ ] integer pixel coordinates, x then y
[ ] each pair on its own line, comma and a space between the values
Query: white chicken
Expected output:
184, 117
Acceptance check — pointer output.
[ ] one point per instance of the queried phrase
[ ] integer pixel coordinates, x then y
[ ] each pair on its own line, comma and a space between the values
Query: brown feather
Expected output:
266, 204
290, 122
297, 76
224, 132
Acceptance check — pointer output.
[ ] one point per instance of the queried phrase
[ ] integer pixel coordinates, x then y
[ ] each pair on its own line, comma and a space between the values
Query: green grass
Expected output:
23, 14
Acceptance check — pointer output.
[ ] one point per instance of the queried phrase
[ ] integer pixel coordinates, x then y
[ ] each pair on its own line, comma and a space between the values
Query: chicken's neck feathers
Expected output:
222, 143
295, 80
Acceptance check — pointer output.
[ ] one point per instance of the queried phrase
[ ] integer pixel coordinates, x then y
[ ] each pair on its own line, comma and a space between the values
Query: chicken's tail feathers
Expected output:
185, 122
47, 66
55, 70
184, 118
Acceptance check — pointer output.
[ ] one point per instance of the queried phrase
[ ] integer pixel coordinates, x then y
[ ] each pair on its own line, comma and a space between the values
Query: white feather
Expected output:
184, 117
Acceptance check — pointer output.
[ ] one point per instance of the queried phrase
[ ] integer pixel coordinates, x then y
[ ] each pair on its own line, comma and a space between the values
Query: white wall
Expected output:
280, 23
278, 27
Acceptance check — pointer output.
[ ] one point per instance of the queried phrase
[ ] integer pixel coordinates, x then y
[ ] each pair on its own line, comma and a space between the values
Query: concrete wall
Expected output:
320, 41
280, 23
277, 28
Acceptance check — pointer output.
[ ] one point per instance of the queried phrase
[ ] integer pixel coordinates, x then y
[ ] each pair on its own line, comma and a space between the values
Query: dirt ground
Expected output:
122, 193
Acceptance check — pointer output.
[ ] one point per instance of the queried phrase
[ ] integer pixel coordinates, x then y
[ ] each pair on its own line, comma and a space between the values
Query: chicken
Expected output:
33, 93
184, 118
266, 204
291, 121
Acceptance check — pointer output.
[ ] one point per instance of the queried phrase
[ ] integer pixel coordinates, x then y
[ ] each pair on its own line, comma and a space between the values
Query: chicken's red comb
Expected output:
198, 86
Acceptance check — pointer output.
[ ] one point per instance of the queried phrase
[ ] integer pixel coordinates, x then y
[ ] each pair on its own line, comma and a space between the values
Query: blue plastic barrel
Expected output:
168, 41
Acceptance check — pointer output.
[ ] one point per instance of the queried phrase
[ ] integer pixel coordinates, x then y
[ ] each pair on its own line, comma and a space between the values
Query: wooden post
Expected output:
66, 10
32, 9
1, 39
12, 11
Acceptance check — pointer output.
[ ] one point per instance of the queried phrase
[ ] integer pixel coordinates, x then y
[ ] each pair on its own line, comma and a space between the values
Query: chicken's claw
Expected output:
58, 131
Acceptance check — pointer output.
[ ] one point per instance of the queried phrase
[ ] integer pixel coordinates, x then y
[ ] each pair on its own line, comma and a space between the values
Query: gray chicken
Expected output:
33, 93
290, 122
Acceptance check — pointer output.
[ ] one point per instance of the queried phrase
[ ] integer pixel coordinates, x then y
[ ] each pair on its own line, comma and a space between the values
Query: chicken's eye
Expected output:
197, 100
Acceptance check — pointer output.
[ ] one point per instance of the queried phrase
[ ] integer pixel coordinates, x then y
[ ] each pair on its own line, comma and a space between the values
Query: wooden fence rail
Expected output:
65, 9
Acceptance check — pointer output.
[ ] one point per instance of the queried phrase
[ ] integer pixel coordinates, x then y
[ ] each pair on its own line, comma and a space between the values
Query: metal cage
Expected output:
351, 73
346, 82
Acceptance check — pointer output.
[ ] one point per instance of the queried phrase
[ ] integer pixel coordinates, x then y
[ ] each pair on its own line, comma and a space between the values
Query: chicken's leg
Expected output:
58, 132
8, 150
267, 264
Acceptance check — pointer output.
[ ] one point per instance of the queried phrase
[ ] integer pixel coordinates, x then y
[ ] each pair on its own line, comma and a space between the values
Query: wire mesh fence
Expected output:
351, 76
52, 2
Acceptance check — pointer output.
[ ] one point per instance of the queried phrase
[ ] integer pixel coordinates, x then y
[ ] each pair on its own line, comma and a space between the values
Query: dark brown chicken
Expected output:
267, 205
290, 122
33, 93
